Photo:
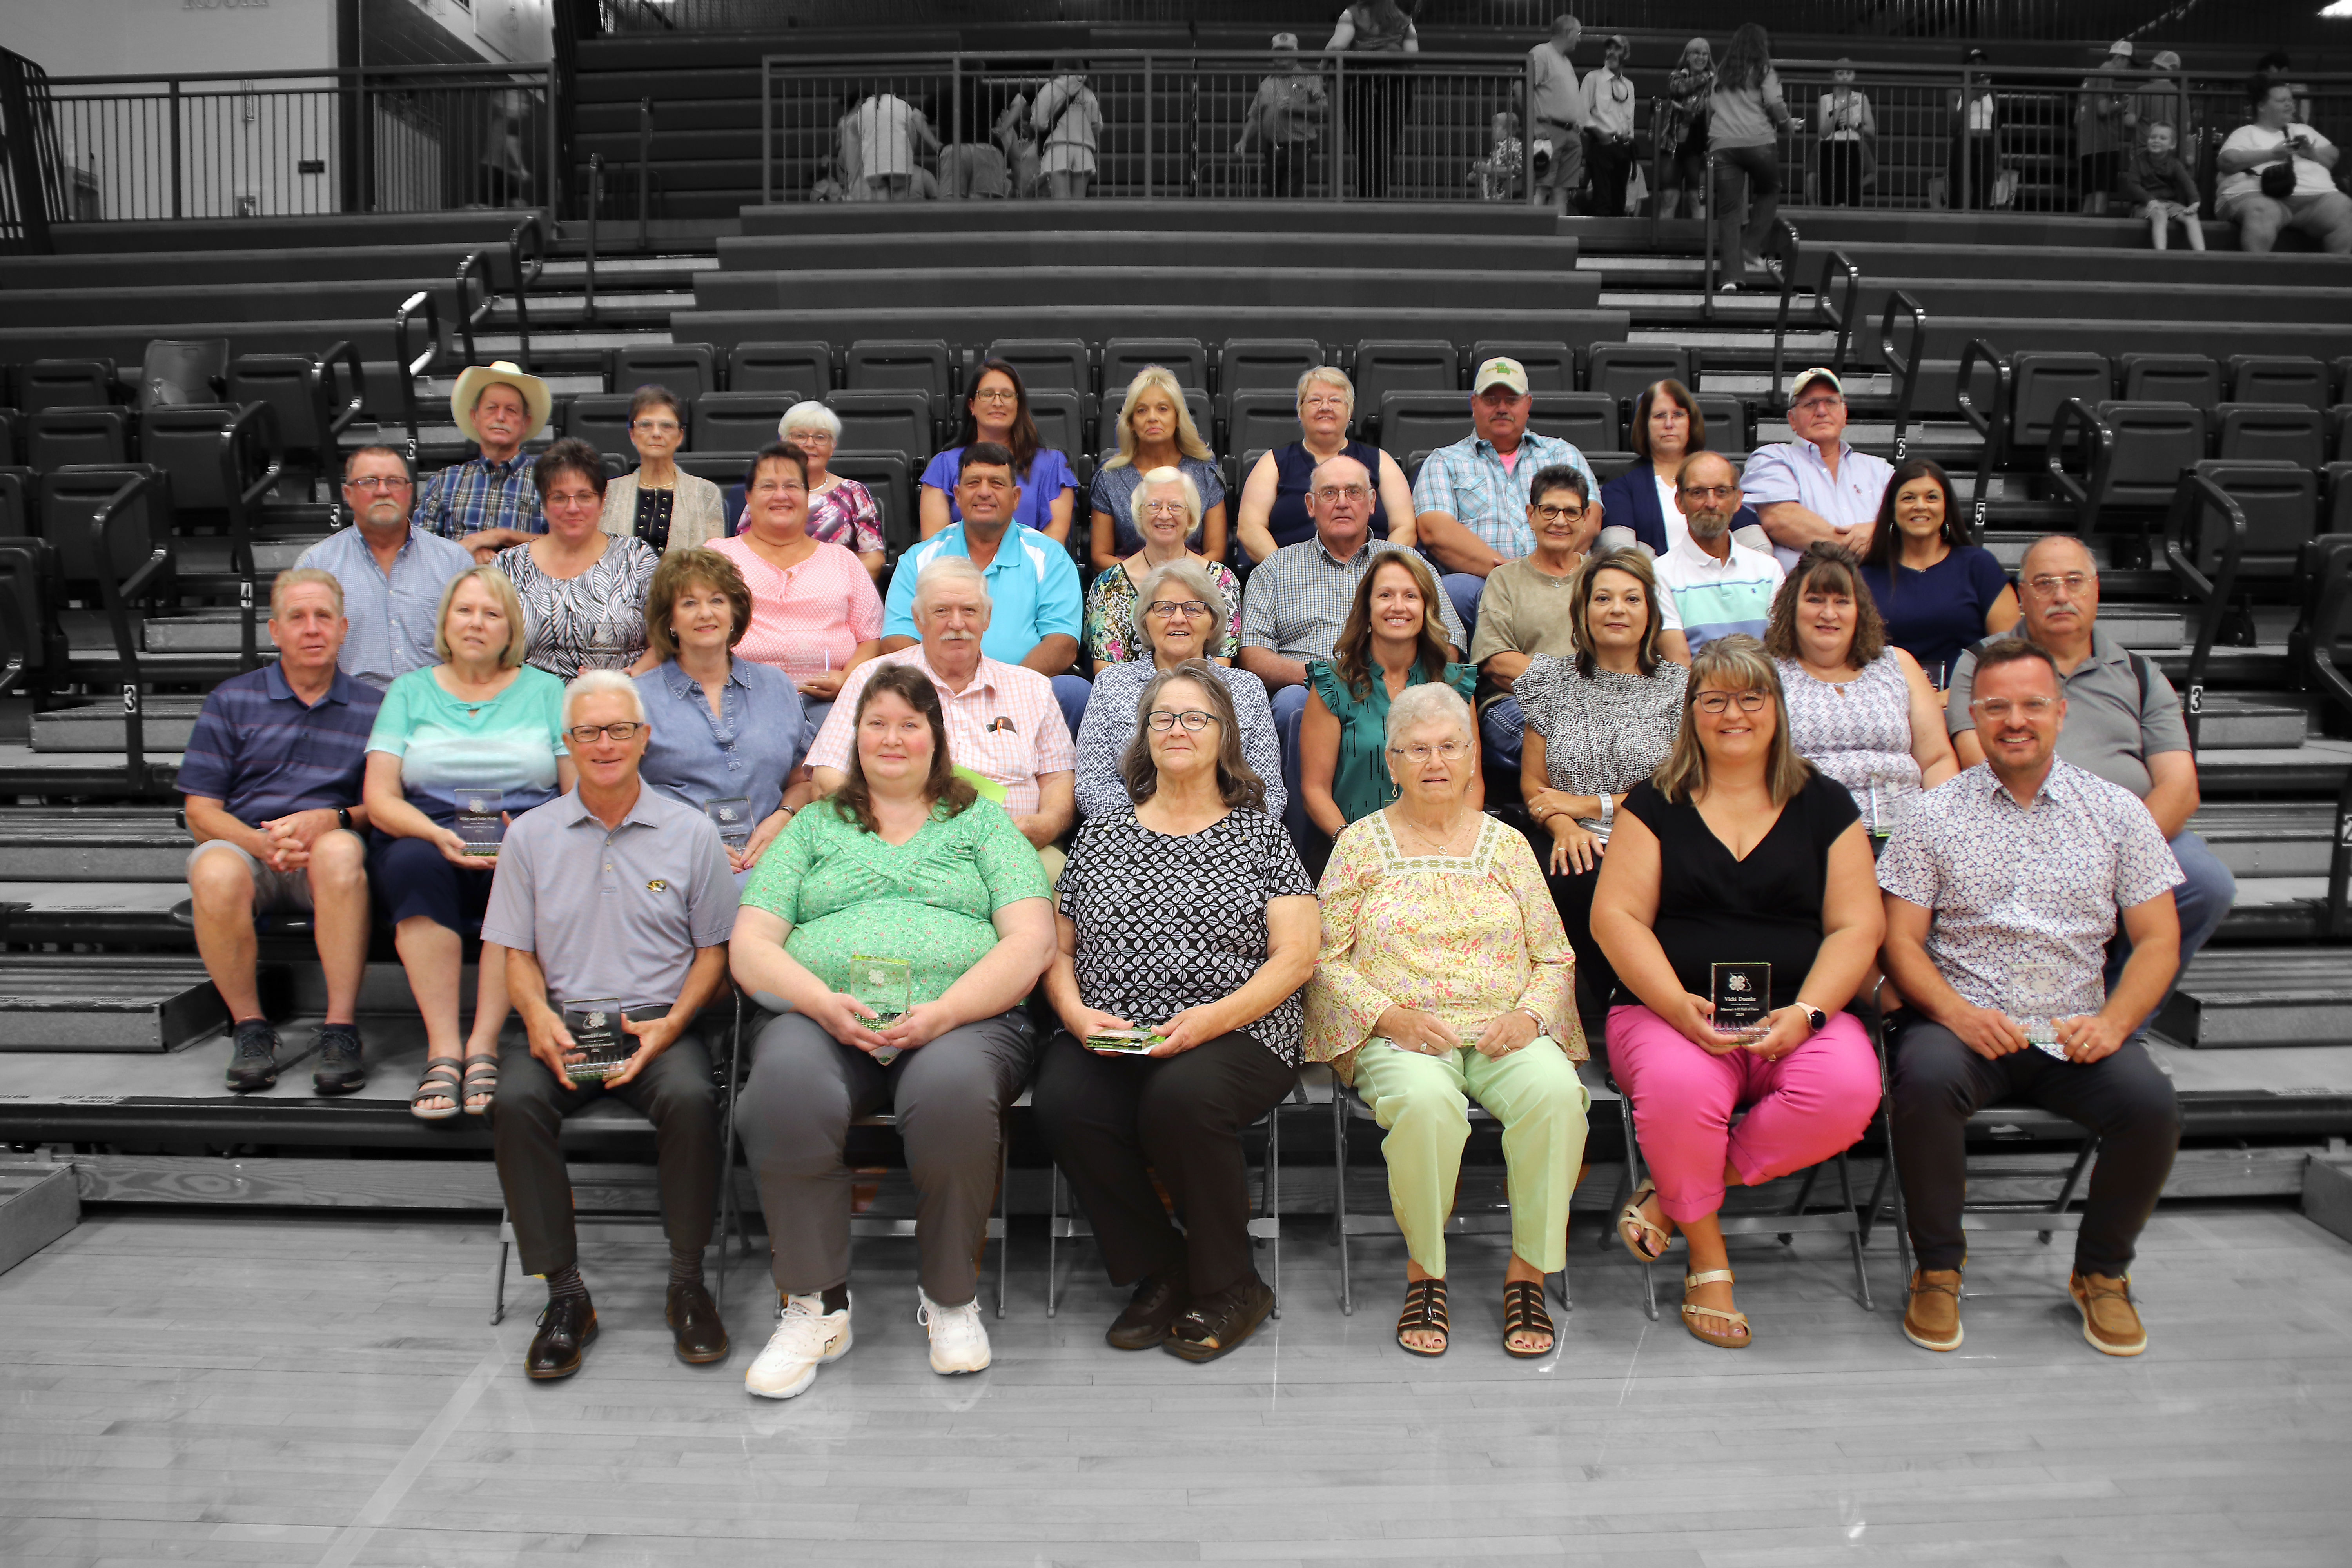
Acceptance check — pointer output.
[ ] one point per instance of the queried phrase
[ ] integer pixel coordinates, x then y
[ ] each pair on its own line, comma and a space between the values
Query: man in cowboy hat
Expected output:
488, 502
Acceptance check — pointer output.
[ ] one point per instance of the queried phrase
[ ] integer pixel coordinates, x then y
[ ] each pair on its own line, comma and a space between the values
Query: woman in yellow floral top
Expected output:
1446, 976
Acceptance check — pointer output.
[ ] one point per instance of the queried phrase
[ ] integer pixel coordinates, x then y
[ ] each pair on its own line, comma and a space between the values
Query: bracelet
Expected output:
1608, 808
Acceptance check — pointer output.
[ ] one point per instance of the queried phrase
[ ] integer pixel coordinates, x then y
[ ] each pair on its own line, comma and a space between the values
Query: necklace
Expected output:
1436, 845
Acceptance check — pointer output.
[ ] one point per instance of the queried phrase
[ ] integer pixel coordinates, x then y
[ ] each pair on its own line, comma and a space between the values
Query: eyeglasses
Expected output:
1162, 720
1176, 607
996, 394
1998, 709
1419, 754
369, 484
1331, 493
626, 730
809, 437
1557, 513
1164, 508
2048, 583
780, 487
1710, 492
1817, 405
1716, 702
1326, 405
656, 426
573, 497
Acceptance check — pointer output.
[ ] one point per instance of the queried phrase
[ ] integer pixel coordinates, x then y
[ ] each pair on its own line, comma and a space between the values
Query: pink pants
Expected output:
1801, 1109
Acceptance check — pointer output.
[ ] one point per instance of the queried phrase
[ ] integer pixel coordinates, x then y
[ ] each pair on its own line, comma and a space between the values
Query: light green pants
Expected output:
1424, 1101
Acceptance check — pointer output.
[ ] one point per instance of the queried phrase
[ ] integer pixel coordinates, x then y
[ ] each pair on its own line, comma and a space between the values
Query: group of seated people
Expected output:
861, 806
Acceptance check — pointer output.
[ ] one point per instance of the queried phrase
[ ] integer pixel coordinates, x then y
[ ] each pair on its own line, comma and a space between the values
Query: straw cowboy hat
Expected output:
536, 400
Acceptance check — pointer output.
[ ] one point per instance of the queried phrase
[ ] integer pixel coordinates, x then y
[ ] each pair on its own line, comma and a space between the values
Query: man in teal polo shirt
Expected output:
1033, 586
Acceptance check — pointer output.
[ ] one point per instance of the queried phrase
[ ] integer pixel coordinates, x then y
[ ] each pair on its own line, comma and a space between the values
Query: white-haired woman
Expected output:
1165, 510
840, 512
481, 727
671, 511
1155, 431
1274, 497
1445, 977
1735, 871
1181, 613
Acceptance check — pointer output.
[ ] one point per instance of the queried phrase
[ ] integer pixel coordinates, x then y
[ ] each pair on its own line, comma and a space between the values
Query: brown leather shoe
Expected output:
2110, 1322
1932, 1320
566, 1329
1158, 1302
693, 1317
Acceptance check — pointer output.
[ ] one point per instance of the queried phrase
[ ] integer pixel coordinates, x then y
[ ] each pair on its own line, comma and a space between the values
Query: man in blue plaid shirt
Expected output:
488, 502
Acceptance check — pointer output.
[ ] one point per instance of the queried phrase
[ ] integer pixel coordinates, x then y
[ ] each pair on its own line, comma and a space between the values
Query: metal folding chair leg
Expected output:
505, 1242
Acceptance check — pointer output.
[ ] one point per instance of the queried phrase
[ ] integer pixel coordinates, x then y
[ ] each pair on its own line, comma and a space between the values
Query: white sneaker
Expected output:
959, 1344
806, 1336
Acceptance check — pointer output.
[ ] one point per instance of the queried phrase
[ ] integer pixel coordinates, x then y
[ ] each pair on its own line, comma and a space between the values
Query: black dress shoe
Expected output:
693, 1317
1157, 1303
566, 1329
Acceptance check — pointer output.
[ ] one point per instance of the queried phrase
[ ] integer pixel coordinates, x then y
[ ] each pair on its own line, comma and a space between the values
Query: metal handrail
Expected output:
2334, 603
1993, 426
476, 268
254, 426
411, 366
2088, 496
341, 352
1904, 371
116, 599
518, 254
2195, 488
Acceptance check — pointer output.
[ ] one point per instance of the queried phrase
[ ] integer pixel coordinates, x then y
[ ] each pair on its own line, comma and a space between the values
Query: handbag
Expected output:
2278, 181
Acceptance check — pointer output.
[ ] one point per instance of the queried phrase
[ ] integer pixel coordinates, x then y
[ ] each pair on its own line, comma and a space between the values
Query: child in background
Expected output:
1498, 175
2160, 188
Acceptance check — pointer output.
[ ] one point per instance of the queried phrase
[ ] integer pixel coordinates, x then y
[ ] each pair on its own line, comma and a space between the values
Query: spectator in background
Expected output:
1818, 486
888, 134
582, 589
488, 502
1744, 125
1274, 511
1284, 121
1680, 127
815, 614
1470, 502
1068, 118
1556, 118
2165, 99
1667, 428
665, 509
1379, 94
391, 571
2103, 126
1496, 177
1013, 133
2279, 173
2276, 67
2158, 186
1848, 137
271, 786
1975, 163
1609, 104
1710, 585
997, 409
1938, 592
1165, 511
1526, 611
840, 510
1155, 431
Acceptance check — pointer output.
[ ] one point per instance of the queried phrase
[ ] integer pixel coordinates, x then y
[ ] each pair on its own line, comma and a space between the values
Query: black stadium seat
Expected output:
1384, 366
315, 400
1250, 364
1263, 419
2280, 378
62, 437
1046, 363
2192, 379
890, 476
2280, 506
803, 367
20, 493
1586, 420
1061, 417
182, 370
1184, 358
2040, 382
1727, 426
687, 370
1624, 371
65, 383
602, 419
1421, 422
2140, 451
12, 427
898, 364
896, 420
2336, 499
1197, 404
2270, 432
1551, 367
72, 499
739, 421
2339, 438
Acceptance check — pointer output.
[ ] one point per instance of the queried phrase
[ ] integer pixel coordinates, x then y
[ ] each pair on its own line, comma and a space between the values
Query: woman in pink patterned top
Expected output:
840, 512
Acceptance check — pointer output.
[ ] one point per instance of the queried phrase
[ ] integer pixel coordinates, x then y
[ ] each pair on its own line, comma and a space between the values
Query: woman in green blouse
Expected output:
894, 929
1394, 638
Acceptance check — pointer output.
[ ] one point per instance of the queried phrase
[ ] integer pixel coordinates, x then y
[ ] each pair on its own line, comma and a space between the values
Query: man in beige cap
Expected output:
1284, 120
488, 502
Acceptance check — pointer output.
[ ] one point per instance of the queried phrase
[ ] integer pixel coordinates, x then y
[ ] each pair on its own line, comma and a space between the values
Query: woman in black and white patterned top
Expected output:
1597, 724
1189, 916
582, 589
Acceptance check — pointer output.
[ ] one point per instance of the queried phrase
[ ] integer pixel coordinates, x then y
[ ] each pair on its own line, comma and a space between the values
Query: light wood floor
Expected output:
264, 1390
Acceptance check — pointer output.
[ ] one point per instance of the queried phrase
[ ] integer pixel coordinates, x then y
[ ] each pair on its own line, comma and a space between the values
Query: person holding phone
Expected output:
2279, 173
613, 892
1188, 916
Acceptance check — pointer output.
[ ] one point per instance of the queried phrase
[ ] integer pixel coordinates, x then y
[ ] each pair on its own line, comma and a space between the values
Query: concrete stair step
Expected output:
2242, 997
99, 727
111, 1003
93, 843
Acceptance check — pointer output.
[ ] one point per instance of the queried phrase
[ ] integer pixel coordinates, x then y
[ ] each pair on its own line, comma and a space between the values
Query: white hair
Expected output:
950, 569
1195, 578
1330, 376
808, 415
1431, 702
596, 683
1167, 475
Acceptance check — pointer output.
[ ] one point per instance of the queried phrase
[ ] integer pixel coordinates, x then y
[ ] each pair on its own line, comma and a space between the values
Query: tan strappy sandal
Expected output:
1693, 1312
1632, 1215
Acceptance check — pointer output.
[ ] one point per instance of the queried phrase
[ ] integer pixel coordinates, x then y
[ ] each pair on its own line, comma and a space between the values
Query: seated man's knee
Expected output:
220, 883
1930, 1072
339, 862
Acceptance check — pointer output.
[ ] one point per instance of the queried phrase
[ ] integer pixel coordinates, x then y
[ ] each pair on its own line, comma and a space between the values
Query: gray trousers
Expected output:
950, 1096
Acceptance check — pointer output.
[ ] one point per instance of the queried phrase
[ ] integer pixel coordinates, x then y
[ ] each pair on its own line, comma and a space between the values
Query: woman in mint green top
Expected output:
1394, 638
904, 866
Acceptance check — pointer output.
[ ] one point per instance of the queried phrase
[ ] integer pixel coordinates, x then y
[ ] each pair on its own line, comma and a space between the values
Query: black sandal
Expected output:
1218, 1324
1523, 1313
481, 1077
1424, 1308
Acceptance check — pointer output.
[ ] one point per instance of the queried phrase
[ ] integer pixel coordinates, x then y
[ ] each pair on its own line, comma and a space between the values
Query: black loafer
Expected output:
693, 1317
1216, 1325
1157, 1303
341, 1068
566, 1329
254, 1064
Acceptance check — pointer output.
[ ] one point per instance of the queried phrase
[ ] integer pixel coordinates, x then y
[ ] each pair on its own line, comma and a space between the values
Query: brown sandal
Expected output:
1424, 1309
1523, 1313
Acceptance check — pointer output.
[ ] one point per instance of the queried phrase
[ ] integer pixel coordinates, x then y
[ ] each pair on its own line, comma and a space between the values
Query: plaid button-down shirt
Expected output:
469, 496
1298, 598
1468, 483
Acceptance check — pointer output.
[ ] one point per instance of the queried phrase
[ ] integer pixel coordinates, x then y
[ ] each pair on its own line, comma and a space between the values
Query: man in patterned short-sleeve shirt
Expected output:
2002, 888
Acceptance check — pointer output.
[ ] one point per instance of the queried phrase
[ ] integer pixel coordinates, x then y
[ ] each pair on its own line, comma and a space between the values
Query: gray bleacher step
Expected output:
2240, 721
2240, 998
93, 843
220, 631
2267, 838
113, 1003
99, 726
212, 553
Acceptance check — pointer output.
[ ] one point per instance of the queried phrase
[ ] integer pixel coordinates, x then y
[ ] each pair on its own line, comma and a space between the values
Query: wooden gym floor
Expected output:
262, 1389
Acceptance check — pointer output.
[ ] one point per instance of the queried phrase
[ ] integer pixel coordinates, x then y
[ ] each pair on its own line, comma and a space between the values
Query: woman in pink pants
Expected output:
1736, 874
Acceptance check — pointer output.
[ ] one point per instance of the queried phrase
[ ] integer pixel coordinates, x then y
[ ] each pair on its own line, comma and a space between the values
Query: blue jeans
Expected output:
2203, 900
1289, 705
1072, 691
1463, 589
1504, 729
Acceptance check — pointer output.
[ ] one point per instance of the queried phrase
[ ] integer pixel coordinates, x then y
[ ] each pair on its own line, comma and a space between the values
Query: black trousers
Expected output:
1840, 173
1572, 895
1283, 165
674, 1093
1939, 1083
1106, 1119
1610, 163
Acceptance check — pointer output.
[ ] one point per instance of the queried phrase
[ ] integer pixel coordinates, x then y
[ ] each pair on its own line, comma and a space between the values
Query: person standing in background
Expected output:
1848, 134
1609, 99
1745, 121
1069, 117
1284, 120
1376, 99
1556, 117
2103, 126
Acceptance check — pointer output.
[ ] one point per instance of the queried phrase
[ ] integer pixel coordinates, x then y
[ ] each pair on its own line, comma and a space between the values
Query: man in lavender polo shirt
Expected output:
1817, 485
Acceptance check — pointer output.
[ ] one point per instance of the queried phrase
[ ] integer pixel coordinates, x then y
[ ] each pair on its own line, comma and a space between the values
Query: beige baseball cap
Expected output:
1806, 378
1501, 371
2120, 47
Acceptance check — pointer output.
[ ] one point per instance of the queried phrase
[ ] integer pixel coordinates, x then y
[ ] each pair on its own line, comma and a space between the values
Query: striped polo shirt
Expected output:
262, 752
1705, 598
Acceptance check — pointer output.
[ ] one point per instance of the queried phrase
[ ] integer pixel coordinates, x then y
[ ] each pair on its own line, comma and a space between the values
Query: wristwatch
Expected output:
342, 816
1815, 1018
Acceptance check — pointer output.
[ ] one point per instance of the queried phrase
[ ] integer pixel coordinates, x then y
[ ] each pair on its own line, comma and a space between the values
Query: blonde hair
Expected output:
500, 588
1735, 663
1188, 440
1330, 376
300, 576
